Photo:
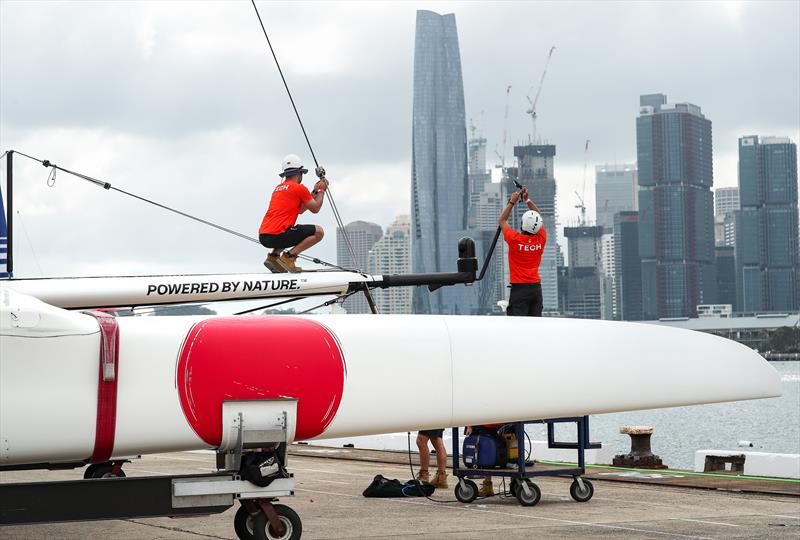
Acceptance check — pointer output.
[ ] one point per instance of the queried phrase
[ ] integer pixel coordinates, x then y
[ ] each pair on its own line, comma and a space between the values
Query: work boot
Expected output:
423, 475
440, 480
487, 489
287, 262
271, 262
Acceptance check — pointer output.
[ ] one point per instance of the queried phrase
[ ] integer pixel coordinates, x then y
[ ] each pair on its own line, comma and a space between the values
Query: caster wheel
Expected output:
243, 524
466, 493
102, 470
526, 499
292, 527
581, 495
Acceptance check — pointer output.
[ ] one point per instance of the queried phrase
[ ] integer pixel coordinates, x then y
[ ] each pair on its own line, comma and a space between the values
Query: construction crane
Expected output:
582, 206
535, 100
502, 155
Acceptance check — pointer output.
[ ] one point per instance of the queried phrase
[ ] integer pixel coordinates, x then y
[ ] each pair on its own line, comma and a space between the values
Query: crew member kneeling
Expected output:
290, 199
525, 249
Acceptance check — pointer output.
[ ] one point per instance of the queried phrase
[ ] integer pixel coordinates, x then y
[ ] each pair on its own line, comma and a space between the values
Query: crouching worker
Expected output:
291, 198
435, 437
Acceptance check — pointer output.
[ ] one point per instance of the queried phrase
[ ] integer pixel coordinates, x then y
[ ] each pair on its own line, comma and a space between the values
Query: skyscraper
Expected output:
362, 235
439, 184
726, 202
615, 191
392, 255
583, 299
628, 267
676, 227
486, 202
535, 170
726, 275
608, 294
766, 226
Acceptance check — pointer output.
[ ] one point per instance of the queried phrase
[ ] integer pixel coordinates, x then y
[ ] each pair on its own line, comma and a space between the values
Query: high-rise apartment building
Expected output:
392, 255
535, 170
726, 203
766, 226
608, 293
676, 215
439, 183
628, 267
615, 191
362, 236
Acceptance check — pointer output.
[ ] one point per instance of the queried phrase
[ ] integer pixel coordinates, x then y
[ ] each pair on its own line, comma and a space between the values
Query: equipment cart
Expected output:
522, 487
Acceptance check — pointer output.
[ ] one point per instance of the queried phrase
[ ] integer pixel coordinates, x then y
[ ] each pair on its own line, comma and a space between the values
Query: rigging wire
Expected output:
342, 297
108, 186
328, 192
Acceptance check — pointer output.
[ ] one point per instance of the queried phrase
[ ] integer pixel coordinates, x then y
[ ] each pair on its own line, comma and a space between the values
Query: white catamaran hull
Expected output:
350, 375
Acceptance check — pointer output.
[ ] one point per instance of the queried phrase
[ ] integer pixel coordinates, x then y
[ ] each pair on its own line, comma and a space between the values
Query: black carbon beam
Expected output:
102, 498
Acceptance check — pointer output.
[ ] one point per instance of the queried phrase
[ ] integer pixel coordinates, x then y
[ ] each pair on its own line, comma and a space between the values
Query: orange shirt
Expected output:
524, 254
287, 200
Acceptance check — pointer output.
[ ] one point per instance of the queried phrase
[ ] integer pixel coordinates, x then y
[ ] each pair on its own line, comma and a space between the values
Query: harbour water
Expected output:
772, 425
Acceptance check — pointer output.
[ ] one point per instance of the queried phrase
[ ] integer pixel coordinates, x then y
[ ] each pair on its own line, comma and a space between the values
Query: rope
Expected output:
108, 186
334, 208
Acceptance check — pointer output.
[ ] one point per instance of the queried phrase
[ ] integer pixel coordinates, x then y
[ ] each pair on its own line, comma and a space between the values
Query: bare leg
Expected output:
441, 454
424, 453
308, 241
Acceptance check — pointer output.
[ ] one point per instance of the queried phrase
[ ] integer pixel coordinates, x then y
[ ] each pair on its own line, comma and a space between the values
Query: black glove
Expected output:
320, 172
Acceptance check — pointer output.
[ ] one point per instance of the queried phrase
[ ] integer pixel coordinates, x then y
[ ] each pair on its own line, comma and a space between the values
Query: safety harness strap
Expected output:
106, 387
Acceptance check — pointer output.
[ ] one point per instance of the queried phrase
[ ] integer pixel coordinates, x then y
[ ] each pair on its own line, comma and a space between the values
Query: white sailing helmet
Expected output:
292, 164
532, 222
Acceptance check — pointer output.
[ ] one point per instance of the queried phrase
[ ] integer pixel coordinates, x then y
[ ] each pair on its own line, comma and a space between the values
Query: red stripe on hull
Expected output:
264, 357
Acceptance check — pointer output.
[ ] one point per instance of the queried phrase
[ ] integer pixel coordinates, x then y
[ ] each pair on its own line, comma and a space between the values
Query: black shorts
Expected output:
525, 300
431, 433
288, 238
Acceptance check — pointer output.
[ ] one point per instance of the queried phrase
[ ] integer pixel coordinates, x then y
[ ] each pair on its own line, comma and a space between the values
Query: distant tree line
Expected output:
785, 340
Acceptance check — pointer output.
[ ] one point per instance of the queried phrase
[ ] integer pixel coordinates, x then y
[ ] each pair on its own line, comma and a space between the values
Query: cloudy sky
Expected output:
180, 102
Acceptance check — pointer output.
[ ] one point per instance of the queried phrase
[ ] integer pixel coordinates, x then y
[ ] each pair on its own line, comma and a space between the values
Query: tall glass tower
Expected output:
766, 226
676, 208
439, 183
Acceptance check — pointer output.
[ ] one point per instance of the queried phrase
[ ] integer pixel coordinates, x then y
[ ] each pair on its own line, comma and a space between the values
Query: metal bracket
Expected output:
208, 491
579, 480
255, 424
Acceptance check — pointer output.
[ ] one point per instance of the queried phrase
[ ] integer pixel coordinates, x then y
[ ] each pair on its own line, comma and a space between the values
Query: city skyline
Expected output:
215, 150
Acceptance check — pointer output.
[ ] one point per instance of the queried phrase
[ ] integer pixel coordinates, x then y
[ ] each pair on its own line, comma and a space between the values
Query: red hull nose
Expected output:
248, 358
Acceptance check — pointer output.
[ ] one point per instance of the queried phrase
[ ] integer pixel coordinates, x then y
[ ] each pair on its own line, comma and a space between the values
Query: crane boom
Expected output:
535, 100
505, 131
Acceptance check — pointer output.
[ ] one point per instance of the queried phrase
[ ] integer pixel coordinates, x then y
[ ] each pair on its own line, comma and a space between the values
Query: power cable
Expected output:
328, 192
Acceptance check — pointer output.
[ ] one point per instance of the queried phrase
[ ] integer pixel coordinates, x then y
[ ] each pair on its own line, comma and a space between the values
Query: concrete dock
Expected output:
329, 501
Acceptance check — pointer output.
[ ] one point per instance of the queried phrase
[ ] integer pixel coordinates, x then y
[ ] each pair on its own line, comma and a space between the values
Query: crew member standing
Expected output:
525, 250
289, 199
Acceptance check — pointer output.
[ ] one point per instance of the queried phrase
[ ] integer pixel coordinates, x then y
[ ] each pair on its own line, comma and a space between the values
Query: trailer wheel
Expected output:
466, 493
102, 470
525, 499
581, 495
243, 524
292, 526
